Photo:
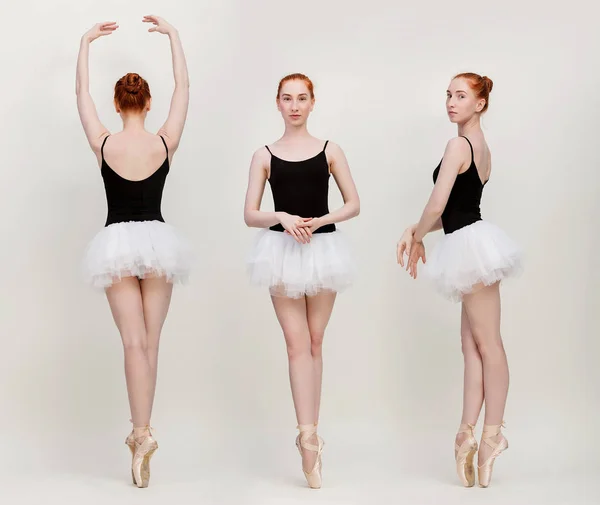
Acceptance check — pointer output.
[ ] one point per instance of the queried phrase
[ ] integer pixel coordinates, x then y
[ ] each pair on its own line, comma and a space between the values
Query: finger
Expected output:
304, 235
294, 233
400, 253
153, 29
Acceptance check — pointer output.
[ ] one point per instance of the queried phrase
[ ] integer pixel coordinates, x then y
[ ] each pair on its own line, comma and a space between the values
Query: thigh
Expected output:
319, 309
125, 300
482, 308
156, 299
291, 314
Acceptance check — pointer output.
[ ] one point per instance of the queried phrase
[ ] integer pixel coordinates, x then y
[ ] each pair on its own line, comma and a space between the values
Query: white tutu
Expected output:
137, 249
478, 253
293, 270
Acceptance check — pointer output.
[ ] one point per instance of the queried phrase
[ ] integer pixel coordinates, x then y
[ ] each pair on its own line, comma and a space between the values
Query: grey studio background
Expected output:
393, 365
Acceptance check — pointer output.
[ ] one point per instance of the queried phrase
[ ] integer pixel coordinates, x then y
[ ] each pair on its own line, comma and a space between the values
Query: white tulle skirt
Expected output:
137, 249
480, 253
291, 269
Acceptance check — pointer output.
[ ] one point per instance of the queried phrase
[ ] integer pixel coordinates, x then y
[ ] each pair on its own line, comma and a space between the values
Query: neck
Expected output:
473, 125
133, 122
296, 132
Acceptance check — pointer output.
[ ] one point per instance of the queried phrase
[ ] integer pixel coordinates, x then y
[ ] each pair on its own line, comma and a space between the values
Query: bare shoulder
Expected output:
261, 157
96, 144
458, 145
458, 149
333, 150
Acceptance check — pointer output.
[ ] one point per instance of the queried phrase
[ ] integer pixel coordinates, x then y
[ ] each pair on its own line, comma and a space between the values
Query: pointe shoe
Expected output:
144, 448
465, 454
485, 470
313, 478
130, 442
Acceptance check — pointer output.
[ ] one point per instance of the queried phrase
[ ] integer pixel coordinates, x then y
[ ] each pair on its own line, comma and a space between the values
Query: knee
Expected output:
468, 346
316, 343
490, 347
135, 343
298, 347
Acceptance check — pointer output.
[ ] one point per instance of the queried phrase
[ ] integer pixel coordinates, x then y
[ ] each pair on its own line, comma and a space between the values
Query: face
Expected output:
295, 103
461, 102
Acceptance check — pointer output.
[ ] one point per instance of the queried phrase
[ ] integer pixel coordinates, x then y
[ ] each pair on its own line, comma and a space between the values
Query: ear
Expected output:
312, 104
480, 105
116, 107
149, 105
277, 103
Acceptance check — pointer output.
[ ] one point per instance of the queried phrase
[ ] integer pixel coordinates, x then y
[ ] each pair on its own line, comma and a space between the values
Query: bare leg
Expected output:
483, 310
156, 298
319, 310
125, 300
291, 314
473, 376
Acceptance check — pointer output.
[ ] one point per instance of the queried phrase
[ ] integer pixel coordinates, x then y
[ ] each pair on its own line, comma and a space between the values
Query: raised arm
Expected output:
173, 127
93, 128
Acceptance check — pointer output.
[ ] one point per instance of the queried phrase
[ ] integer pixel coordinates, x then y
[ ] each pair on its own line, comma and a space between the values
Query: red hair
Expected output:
132, 93
297, 77
482, 86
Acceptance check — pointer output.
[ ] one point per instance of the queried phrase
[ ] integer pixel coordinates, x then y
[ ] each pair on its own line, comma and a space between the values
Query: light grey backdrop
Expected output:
393, 368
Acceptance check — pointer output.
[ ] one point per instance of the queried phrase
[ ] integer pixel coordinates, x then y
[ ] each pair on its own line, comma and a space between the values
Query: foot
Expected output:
465, 447
495, 444
310, 446
145, 446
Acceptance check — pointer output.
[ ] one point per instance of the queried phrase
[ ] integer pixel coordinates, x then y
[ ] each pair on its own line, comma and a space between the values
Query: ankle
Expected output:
141, 431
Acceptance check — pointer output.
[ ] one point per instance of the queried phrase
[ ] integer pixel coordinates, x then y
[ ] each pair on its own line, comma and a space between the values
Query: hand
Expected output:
291, 224
160, 25
417, 251
311, 223
100, 30
404, 245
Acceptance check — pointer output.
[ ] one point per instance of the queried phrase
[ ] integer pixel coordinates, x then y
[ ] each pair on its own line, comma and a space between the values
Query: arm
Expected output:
93, 128
343, 178
437, 225
173, 127
253, 216
455, 157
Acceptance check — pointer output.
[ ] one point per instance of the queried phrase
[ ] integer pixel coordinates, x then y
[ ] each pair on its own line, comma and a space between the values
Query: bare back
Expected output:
134, 155
481, 156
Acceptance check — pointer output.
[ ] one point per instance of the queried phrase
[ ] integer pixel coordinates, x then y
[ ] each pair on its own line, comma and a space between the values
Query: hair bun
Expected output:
133, 83
489, 84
